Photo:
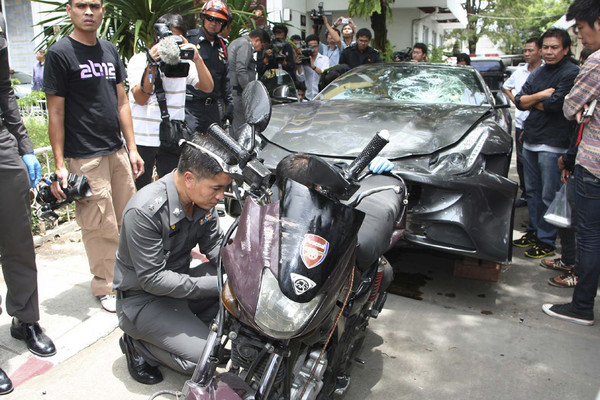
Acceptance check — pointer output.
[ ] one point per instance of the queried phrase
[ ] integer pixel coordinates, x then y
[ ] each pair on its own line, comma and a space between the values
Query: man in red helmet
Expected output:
202, 109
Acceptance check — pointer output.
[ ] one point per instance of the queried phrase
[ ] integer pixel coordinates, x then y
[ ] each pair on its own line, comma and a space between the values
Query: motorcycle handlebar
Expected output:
367, 154
230, 145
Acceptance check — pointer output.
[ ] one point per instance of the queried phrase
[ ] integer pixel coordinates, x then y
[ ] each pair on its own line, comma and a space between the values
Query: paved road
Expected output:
465, 339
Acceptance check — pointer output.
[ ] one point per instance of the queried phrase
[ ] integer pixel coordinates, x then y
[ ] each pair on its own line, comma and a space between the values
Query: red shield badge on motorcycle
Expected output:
314, 250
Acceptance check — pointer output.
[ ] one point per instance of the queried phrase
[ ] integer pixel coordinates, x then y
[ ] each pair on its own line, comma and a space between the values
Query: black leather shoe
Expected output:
138, 368
36, 340
5, 384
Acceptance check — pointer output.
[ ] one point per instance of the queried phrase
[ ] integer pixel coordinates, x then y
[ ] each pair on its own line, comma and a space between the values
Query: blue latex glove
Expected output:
380, 165
34, 169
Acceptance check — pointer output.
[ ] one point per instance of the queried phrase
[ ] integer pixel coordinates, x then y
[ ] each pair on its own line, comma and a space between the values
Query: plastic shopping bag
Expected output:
559, 211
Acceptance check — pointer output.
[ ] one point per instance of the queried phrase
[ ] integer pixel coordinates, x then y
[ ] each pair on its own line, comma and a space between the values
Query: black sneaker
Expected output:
526, 240
540, 250
520, 202
568, 313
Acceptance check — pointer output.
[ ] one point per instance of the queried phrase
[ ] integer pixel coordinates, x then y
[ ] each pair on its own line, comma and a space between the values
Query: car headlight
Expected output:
462, 157
277, 315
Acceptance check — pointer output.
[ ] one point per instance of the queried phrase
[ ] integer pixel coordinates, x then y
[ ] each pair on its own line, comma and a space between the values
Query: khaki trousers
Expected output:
99, 216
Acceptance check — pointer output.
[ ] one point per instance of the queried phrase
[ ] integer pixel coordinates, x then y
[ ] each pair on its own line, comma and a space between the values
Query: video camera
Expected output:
276, 45
317, 15
306, 51
170, 53
77, 188
403, 55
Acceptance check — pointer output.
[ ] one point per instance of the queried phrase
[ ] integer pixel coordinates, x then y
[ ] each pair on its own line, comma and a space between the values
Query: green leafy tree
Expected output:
476, 25
129, 24
378, 11
517, 21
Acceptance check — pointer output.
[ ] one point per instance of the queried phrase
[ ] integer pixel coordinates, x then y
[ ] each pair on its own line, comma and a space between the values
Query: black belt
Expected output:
207, 101
123, 294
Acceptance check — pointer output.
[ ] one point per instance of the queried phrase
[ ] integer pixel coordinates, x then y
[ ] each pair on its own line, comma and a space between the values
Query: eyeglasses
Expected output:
210, 18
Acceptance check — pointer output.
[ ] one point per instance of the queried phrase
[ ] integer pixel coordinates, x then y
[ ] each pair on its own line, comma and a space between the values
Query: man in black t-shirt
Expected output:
360, 52
88, 109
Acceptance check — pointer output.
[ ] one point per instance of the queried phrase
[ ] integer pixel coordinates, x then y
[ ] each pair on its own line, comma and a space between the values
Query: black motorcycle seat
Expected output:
381, 213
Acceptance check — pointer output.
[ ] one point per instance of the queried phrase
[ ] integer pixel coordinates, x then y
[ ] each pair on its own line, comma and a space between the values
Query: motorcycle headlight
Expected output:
462, 157
277, 315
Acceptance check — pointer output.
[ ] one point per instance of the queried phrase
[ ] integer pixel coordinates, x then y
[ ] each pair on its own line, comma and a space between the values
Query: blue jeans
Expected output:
587, 206
542, 181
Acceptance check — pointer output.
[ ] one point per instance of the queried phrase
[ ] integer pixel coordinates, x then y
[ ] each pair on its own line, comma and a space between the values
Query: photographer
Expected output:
280, 52
88, 109
348, 31
19, 170
311, 67
334, 46
145, 110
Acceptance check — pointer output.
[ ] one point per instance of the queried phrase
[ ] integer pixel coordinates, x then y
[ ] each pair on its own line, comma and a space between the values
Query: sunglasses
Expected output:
220, 21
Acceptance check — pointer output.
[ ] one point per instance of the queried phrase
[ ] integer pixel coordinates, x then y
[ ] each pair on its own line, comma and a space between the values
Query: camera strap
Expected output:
161, 97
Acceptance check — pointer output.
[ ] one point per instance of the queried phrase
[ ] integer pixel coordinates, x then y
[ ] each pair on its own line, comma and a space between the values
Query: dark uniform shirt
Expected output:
215, 59
11, 117
353, 57
156, 240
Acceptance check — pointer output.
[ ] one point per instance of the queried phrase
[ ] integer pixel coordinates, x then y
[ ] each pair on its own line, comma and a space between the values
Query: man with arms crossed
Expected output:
88, 109
546, 137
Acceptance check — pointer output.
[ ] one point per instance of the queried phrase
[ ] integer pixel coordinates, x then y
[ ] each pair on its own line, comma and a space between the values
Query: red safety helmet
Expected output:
217, 9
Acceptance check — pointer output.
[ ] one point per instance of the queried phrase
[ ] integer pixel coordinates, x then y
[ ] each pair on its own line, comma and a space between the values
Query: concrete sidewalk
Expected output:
70, 315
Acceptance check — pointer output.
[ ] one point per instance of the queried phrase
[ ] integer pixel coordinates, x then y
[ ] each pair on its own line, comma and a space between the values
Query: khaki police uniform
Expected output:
154, 282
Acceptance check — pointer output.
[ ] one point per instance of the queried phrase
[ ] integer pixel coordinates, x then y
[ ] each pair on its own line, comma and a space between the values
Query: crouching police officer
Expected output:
203, 109
163, 305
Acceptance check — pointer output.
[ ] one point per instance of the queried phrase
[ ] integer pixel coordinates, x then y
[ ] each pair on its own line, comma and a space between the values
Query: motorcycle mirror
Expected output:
285, 93
257, 105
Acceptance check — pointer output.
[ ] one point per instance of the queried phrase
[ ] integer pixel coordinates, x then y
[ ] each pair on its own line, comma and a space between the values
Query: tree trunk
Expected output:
378, 24
472, 44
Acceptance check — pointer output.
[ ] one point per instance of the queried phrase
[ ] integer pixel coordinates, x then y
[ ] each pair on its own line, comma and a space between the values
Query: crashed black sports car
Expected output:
449, 140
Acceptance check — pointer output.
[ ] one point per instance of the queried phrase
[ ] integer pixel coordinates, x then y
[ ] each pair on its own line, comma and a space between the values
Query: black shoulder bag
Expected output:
171, 131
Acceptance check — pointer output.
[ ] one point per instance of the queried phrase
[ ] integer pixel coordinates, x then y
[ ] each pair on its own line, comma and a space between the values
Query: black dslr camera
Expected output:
77, 188
172, 55
317, 15
306, 51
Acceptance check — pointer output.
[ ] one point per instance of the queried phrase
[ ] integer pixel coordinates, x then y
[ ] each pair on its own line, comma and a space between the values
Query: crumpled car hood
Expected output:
343, 128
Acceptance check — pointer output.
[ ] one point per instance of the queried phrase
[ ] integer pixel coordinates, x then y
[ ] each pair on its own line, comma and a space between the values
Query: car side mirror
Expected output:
502, 101
285, 93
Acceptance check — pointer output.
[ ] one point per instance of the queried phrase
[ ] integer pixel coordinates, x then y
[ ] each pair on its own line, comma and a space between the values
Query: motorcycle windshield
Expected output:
316, 234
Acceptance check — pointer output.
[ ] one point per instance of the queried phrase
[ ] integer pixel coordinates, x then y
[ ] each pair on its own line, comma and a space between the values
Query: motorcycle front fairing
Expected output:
307, 242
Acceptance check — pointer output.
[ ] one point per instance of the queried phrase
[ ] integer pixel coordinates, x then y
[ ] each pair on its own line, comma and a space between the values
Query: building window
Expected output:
434, 39
425, 34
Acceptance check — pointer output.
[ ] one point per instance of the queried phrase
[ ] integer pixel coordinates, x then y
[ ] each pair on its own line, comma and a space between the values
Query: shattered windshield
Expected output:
409, 83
